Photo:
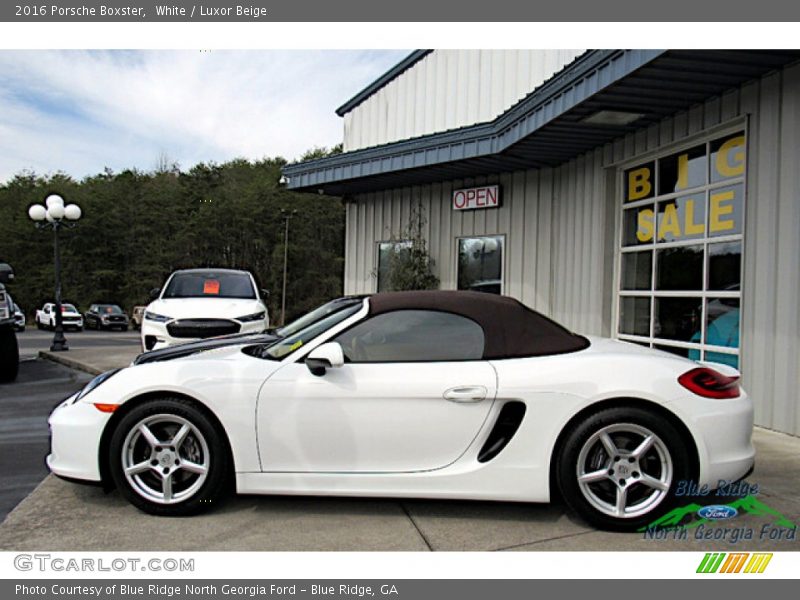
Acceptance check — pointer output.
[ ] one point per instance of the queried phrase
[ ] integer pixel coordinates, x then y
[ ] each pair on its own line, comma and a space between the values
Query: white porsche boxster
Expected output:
411, 394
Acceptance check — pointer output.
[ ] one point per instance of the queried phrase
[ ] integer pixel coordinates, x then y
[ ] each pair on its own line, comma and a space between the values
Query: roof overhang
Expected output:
552, 124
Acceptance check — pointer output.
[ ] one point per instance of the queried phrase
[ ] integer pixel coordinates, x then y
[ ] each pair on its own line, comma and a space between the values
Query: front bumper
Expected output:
75, 432
156, 335
110, 324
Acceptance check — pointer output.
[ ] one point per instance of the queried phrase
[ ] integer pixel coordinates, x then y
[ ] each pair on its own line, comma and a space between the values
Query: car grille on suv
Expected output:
202, 328
116, 318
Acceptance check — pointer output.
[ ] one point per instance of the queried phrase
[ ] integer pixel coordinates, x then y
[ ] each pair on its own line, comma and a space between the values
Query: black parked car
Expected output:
105, 316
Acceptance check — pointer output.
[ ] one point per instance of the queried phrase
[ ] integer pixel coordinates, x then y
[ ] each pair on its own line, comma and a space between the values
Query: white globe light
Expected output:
49, 217
56, 211
72, 212
37, 212
54, 199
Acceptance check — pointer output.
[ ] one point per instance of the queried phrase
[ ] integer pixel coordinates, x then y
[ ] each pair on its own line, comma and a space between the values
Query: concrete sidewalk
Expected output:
92, 360
64, 516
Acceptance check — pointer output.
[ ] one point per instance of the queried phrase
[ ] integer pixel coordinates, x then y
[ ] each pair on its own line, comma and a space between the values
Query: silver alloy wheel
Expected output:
165, 458
627, 464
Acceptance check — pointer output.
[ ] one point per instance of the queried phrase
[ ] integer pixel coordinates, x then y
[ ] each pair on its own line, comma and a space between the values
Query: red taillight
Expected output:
710, 384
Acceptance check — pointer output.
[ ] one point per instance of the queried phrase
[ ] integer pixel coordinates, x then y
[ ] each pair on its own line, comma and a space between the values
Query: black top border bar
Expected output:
396, 11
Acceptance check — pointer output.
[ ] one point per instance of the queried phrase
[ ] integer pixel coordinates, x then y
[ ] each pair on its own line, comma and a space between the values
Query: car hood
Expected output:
206, 308
190, 348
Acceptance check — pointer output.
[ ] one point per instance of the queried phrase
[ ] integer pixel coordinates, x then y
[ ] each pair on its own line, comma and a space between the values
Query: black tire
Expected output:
39, 325
219, 472
632, 422
124, 328
9, 355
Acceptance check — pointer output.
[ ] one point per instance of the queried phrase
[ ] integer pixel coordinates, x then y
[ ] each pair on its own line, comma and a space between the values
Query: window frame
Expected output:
705, 137
394, 362
503, 258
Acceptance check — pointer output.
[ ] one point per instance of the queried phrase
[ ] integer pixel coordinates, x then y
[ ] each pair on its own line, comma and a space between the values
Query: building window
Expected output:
681, 255
480, 264
388, 253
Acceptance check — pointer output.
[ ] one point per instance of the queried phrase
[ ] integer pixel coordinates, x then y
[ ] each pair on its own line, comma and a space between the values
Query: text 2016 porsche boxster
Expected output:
430, 394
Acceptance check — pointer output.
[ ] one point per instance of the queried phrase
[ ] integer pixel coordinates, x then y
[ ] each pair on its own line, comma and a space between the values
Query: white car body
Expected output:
199, 309
46, 316
19, 318
408, 429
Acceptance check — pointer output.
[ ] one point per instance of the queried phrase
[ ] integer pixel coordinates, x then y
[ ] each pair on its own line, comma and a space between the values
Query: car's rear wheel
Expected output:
168, 458
619, 468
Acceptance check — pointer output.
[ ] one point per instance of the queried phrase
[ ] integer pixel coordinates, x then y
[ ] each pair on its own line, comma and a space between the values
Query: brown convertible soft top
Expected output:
511, 329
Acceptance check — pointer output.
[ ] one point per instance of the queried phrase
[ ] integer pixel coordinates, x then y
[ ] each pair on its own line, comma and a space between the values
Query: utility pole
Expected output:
287, 215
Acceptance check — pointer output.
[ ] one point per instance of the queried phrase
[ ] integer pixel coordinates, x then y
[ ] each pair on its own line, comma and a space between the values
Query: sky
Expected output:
79, 112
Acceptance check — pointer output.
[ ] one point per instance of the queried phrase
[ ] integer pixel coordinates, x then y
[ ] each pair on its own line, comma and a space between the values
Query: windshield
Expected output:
316, 315
210, 284
68, 308
109, 309
289, 344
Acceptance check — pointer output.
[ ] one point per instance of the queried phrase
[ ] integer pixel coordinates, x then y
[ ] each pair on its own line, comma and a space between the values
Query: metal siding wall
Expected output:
560, 234
553, 221
449, 89
771, 293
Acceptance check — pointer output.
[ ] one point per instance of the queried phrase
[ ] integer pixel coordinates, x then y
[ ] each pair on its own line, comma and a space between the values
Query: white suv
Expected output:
202, 303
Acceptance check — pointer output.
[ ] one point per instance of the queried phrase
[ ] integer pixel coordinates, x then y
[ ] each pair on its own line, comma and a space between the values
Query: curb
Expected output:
58, 357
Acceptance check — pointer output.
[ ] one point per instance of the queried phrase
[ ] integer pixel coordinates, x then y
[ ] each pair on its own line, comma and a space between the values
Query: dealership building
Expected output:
647, 195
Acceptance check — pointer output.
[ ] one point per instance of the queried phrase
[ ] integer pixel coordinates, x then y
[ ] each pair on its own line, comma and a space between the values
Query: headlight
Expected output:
3, 312
95, 382
151, 316
259, 316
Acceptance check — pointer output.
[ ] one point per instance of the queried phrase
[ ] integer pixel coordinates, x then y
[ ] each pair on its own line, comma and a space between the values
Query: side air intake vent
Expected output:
505, 427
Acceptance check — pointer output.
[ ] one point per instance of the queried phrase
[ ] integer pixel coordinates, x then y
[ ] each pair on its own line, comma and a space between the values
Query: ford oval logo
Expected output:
717, 512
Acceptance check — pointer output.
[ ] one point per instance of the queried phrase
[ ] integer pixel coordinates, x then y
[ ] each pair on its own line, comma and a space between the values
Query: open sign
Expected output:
478, 197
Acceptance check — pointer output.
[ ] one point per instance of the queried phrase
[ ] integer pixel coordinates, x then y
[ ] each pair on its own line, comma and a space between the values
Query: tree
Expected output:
138, 227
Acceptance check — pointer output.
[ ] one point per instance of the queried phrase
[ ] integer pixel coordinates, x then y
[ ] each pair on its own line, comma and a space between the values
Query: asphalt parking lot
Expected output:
59, 515
24, 406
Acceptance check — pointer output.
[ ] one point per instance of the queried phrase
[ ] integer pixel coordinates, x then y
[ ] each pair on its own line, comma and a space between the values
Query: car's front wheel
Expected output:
168, 458
619, 468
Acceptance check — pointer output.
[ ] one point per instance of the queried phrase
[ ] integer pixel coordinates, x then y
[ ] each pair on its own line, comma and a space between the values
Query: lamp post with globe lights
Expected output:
54, 215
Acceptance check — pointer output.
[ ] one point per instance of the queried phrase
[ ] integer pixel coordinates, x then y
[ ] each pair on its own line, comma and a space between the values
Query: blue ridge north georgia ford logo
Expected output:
717, 512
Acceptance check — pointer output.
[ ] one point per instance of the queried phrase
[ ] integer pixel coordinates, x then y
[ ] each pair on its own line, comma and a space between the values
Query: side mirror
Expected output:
154, 293
264, 293
324, 357
6, 273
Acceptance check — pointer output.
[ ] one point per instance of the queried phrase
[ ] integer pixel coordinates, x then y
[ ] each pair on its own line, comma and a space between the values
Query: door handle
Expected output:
467, 393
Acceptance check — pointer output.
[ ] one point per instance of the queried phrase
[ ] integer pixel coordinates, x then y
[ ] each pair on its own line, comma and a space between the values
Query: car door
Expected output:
412, 396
